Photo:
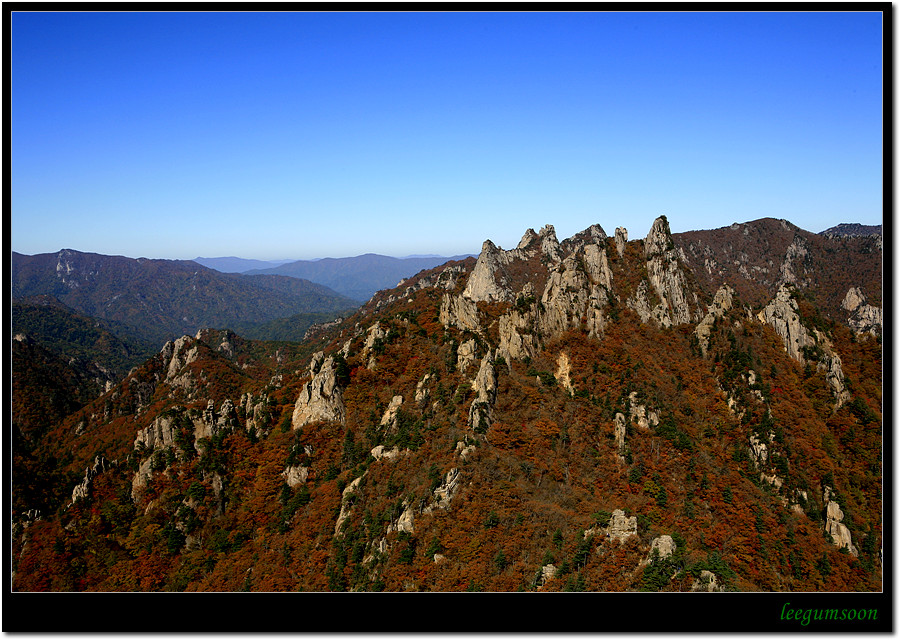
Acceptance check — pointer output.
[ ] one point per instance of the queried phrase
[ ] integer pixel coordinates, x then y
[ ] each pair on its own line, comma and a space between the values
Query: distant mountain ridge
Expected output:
852, 230
159, 300
232, 264
358, 277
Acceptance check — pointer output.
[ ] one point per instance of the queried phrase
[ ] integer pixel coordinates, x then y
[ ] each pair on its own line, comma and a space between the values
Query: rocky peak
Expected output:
487, 281
82, 490
621, 240
549, 243
527, 239
593, 235
659, 238
177, 355
666, 276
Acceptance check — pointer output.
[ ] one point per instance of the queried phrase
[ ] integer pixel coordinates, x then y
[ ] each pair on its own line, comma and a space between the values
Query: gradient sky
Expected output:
306, 135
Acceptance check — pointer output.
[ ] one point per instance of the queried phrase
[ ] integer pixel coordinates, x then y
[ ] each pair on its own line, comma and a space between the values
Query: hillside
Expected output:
158, 300
592, 414
358, 277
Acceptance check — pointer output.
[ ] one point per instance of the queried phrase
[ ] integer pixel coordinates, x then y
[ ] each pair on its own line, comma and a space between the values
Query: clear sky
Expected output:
306, 135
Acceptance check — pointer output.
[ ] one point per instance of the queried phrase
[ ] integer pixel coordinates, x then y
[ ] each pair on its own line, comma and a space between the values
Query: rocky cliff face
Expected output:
864, 318
485, 386
802, 344
677, 305
321, 398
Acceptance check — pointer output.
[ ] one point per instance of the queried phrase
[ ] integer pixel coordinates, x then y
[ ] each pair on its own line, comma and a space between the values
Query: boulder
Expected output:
621, 527
663, 545
295, 476
706, 582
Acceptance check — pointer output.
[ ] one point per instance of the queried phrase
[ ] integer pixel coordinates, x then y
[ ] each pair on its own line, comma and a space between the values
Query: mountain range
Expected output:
691, 412
158, 300
358, 277
232, 264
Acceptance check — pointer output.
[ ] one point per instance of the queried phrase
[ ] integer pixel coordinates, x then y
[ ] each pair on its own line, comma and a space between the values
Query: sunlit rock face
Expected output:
485, 386
667, 278
721, 304
320, 399
864, 318
782, 315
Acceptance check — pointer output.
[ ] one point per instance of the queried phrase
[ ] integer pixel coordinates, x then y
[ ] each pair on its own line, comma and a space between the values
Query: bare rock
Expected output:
667, 277
348, 499
576, 288
487, 282
389, 419
383, 453
621, 527
640, 414
864, 318
320, 399
422, 391
621, 240
466, 354
296, 475
548, 572
459, 312
840, 534
443, 494
721, 304
664, 546
782, 315
706, 582
517, 340
374, 335
563, 371
620, 435
83, 489
485, 386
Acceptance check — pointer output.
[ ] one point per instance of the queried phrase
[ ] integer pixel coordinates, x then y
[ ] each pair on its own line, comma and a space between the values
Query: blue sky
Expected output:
306, 135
